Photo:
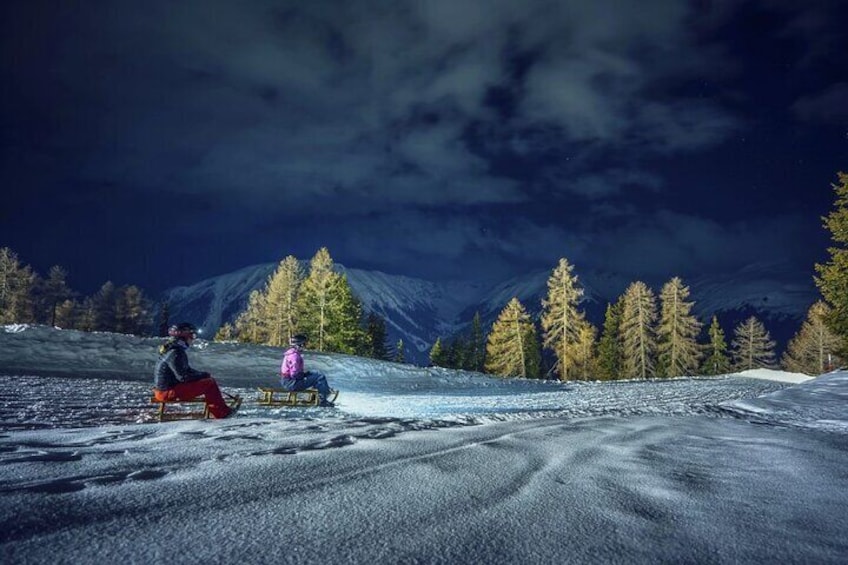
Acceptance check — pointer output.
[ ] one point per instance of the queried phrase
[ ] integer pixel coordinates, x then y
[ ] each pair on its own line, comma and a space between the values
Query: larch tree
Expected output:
437, 354
132, 310
105, 303
251, 324
512, 349
717, 362
585, 362
225, 333
16, 289
315, 299
638, 319
752, 346
9, 269
609, 360
814, 349
678, 352
561, 320
398, 356
66, 315
55, 291
832, 278
281, 292
87, 315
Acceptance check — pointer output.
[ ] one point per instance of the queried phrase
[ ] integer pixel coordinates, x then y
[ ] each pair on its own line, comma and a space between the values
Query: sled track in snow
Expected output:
33, 402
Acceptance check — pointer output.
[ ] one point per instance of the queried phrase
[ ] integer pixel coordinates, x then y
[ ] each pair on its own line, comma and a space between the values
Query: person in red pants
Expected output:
174, 379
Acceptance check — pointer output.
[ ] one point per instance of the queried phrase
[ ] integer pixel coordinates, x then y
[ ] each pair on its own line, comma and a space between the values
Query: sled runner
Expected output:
281, 397
169, 410
181, 409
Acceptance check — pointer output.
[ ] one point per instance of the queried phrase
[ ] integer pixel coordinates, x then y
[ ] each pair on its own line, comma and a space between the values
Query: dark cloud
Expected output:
827, 107
666, 244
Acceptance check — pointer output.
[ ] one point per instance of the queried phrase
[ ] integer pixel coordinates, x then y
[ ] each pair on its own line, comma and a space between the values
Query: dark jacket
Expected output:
172, 367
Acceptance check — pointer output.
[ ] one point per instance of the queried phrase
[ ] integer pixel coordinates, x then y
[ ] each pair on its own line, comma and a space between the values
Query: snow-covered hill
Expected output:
413, 465
418, 311
371, 388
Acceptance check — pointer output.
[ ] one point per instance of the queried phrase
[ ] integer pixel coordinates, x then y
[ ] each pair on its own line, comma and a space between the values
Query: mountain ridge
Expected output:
418, 311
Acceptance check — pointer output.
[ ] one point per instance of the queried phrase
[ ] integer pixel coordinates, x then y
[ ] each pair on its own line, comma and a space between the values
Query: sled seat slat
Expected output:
270, 396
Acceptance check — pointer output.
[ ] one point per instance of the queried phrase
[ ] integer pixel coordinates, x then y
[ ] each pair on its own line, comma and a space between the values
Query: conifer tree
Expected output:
512, 349
9, 267
104, 303
377, 337
585, 362
16, 289
398, 356
833, 275
457, 353
9, 272
316, 296
225, 333
752, 347
717, 362
66, 313
561, 321
131, 310
678, 352
24, 299
638, 318
251, 324
814, 349
281, 292
609, 361
164, 319
476, 345
55, 291
343, 330
121, 313
87, 315
437, 354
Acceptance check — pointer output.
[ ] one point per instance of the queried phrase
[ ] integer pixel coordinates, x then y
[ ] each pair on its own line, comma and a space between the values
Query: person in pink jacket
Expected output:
294, 378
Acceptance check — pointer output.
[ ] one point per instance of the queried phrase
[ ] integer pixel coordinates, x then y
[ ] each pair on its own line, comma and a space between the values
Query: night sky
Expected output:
158, 143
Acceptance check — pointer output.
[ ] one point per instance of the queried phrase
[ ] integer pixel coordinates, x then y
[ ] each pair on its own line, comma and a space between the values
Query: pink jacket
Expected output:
292, 366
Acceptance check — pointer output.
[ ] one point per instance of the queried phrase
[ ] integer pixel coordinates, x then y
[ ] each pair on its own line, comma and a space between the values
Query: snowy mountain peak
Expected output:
419, 311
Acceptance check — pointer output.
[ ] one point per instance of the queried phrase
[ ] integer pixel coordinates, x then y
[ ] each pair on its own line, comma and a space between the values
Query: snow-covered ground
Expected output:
413, 466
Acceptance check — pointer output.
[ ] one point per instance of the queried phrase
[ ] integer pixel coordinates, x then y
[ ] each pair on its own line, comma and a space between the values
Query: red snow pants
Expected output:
207, 388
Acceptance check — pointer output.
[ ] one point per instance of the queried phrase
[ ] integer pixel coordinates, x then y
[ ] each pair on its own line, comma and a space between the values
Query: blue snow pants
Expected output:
309, 379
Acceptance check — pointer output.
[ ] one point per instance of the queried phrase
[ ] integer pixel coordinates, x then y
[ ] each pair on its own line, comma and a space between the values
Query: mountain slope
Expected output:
415, 310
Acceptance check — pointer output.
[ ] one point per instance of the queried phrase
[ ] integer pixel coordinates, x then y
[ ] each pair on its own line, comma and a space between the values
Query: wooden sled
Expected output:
281, 397
181, 409
187, 409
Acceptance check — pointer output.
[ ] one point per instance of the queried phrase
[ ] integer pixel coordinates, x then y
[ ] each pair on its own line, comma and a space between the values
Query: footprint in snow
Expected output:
50, 457
78, 483
338, 441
